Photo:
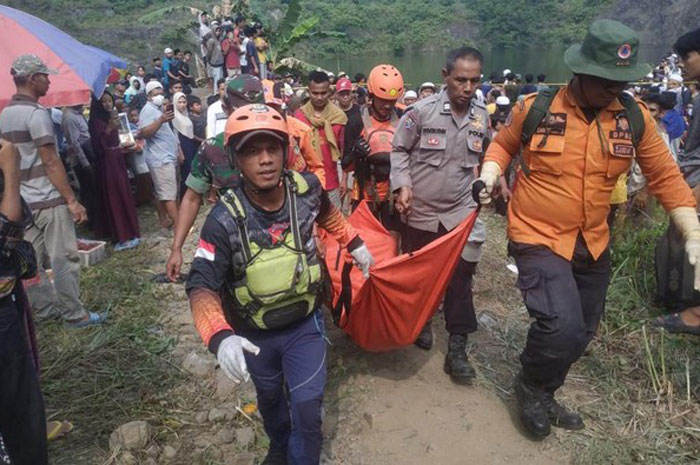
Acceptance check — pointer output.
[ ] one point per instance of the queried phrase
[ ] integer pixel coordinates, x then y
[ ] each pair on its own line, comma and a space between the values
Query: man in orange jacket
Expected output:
557, 225
369, 158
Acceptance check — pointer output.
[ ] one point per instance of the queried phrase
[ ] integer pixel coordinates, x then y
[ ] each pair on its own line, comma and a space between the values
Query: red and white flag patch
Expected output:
205, 250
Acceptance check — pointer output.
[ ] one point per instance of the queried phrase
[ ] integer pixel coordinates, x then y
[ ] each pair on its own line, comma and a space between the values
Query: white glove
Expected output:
686, 220
231, 358
490, 172
363, 259
692, 249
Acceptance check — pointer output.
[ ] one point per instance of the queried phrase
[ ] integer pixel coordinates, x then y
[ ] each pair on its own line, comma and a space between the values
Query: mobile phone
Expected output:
169, 108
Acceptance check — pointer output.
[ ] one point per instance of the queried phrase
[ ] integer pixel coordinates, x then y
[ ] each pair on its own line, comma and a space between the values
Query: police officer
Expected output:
584, 141
255, 284
433, 164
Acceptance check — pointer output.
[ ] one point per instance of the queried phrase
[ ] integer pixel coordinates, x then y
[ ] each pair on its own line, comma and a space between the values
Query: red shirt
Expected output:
230, 49
330, 166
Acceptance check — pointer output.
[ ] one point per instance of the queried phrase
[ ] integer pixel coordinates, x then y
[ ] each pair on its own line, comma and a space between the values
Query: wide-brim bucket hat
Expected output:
610, 50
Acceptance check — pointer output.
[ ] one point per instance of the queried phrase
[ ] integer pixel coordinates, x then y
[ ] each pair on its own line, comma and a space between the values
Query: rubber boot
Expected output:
560, 416
456, 362
425, 337
532, 409
276, 455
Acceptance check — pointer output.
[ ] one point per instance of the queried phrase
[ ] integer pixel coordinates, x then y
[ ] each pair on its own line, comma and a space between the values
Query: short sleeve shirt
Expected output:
161, 147
28, 125
211, 168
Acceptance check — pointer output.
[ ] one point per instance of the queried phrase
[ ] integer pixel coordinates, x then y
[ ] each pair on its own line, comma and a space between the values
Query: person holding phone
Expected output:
161, 151
119, 220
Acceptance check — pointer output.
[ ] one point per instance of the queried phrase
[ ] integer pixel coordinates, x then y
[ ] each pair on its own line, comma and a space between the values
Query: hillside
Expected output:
372, 26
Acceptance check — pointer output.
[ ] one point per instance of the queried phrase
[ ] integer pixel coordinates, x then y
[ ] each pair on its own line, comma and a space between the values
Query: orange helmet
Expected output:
385, 81
250, 119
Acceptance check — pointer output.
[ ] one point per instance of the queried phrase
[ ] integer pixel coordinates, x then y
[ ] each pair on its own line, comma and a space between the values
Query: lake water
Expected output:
421, 67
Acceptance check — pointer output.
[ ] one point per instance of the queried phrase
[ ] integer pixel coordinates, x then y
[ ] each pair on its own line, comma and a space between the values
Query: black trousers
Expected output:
22, 417
458, 305
567, 300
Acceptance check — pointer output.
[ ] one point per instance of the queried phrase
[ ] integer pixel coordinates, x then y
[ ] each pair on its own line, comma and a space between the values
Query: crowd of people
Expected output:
280, 155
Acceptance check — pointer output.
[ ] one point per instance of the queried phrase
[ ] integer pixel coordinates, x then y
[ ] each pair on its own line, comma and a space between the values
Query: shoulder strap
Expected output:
634, 117
366, 119
234, 206
537, 112
302, 186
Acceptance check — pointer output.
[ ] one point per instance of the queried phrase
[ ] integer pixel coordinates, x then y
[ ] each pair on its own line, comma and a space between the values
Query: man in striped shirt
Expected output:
44, 186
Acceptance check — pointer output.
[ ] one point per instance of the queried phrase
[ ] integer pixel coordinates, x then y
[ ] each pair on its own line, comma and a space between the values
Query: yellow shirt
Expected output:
260, 43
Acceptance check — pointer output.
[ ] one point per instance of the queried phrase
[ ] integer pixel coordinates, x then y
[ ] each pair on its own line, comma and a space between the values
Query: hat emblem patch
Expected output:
624, 52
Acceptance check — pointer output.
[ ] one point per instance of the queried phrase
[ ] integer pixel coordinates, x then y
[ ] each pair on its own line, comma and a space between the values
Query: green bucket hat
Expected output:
610, 51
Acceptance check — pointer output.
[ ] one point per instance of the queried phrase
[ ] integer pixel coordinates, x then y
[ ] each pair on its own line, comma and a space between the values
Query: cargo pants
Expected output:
566, 299
52, 235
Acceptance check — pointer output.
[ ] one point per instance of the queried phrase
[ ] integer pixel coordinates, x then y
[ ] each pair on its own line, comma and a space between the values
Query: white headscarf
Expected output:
182, 122
132, 90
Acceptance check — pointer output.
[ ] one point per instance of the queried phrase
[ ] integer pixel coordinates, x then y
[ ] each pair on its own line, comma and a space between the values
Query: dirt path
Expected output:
388, 408
401, 408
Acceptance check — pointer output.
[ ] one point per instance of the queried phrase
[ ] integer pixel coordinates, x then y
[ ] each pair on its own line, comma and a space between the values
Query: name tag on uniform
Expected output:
433, 138
623, 150
554, 126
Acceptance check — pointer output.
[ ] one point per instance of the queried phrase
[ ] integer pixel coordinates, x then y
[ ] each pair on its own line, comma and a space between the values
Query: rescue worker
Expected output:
301, 156
436, 153
210, 170
582, 143
255, 285
327, 123
369, 157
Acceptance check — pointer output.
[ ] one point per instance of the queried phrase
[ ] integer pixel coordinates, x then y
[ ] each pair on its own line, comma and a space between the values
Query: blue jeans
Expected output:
290, 376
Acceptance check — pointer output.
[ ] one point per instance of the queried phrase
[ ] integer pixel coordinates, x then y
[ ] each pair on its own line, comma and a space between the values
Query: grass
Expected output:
645, 380
100, 378
637, 387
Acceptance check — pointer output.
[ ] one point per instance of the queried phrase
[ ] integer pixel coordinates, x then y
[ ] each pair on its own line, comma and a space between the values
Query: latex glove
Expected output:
363, 259
490, 173
686, 220
231, 359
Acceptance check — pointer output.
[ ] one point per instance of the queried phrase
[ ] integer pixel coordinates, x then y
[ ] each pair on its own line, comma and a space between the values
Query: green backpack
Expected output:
280, 285
539, 111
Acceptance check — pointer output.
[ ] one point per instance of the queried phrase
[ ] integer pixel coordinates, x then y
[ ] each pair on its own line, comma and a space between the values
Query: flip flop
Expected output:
673, 323
58, 429
94, 319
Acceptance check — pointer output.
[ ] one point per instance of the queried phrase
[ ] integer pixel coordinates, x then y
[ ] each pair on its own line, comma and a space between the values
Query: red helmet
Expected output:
252, 119
386, 82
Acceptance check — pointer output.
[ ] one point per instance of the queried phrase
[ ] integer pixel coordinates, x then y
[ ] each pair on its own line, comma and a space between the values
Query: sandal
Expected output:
94, 319
673, 323
58, 429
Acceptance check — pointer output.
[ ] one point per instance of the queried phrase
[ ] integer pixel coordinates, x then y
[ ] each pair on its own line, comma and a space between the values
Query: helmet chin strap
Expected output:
252, 188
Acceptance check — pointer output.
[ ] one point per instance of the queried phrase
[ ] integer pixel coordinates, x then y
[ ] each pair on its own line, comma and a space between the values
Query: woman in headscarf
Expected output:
184, 128
119, 221
134, 89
